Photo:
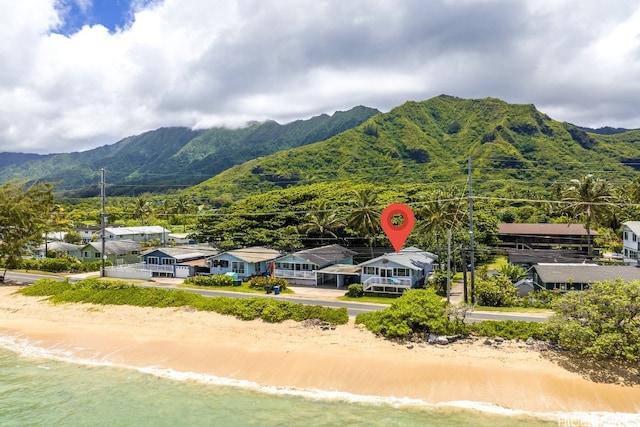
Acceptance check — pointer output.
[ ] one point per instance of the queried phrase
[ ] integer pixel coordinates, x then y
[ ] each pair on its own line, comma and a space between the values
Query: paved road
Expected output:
326, 299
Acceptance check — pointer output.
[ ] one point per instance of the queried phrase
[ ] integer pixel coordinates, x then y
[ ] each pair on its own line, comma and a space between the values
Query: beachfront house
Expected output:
393, 273
118, 252
179, 261
245, 262
304, 267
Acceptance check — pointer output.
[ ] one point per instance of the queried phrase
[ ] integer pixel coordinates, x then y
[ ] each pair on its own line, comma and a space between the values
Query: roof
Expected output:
147, 229
185, 252
116, 247
634, 226
59, 247
324, 255
254, 254
539, 256
544, 229
584, 273
411, 257
340, 269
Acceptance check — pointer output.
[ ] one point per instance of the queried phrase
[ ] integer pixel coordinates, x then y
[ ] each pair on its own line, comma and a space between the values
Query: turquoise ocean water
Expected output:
47, 388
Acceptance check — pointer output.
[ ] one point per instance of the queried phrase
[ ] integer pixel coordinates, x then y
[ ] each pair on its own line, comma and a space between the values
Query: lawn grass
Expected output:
369, 299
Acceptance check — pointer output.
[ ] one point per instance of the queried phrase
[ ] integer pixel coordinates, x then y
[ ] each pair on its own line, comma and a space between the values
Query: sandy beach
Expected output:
347, 358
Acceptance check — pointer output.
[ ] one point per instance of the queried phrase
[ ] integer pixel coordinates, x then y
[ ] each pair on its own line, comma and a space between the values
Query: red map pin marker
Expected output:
397, 234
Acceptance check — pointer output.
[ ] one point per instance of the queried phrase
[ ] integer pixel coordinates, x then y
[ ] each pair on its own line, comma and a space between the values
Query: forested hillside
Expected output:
172, 158
430, 142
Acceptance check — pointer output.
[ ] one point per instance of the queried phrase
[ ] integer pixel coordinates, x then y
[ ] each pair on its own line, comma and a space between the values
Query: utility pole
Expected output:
471, 248
448, 266
103, 220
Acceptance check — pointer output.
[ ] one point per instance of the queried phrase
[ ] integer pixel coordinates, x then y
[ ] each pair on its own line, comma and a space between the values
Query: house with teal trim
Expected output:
245, 262
393, 273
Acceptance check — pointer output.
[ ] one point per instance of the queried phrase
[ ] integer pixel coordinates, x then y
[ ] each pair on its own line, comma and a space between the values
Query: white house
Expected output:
301, 268
631, 241
397, 271
138, 234
245, 262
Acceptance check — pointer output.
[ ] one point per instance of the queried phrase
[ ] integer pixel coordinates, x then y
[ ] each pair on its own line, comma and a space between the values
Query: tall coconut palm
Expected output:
182, 206
322, 221
590, 197
364, 216
442, 212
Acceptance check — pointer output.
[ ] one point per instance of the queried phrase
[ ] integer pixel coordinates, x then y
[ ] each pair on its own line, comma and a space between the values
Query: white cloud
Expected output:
195, 63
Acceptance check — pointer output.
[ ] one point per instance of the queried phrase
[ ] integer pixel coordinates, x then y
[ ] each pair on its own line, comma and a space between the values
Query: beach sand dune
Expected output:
347, 359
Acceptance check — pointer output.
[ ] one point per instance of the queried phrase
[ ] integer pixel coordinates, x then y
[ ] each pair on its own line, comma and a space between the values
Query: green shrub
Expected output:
55, 264
417, 311
602, 323
495, 292
122, 293
213, 280
355, 290
261, 282
438, 282
508, 329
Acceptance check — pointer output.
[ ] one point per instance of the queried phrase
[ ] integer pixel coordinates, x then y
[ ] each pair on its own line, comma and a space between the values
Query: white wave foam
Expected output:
29, 349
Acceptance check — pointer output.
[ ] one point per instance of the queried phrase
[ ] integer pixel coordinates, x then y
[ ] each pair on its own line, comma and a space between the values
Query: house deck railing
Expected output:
156, 268
296, 274
386, 285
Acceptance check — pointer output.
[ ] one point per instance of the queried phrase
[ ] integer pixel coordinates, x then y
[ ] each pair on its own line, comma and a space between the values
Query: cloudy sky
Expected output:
77, 74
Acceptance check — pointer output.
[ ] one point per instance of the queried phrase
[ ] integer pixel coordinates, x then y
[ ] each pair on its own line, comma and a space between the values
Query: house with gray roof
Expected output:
395, 272
301, 267
118, 252
60, 248
566, 277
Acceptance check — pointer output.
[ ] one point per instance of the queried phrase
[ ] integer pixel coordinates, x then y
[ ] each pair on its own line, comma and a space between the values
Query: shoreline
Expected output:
348, 359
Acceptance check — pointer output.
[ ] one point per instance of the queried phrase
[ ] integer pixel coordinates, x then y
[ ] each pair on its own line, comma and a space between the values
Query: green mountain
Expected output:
430, 143
170, 158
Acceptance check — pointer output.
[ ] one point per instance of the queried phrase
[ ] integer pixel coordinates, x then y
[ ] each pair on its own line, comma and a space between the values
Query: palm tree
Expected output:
322, 221
364, 217
141, 208
182, 206
442, 211
588, 196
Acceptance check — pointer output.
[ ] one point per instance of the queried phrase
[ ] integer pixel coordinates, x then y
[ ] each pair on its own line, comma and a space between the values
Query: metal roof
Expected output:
116, 247
634, 226
147, 229
584, 273
544, 229
340, 269
254, 254
324, 255
411, 257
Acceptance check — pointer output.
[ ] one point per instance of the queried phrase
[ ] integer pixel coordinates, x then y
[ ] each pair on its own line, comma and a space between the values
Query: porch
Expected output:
386, 285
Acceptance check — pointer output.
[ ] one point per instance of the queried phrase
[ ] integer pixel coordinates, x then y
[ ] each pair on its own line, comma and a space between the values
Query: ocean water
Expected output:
40, 387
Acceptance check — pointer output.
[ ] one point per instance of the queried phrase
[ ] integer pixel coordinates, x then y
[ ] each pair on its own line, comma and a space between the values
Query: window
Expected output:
634, 237
167, 261
96, 254
258, 267
152, 260
626, 235
401, 272
371, 270
86, 254
237, 267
